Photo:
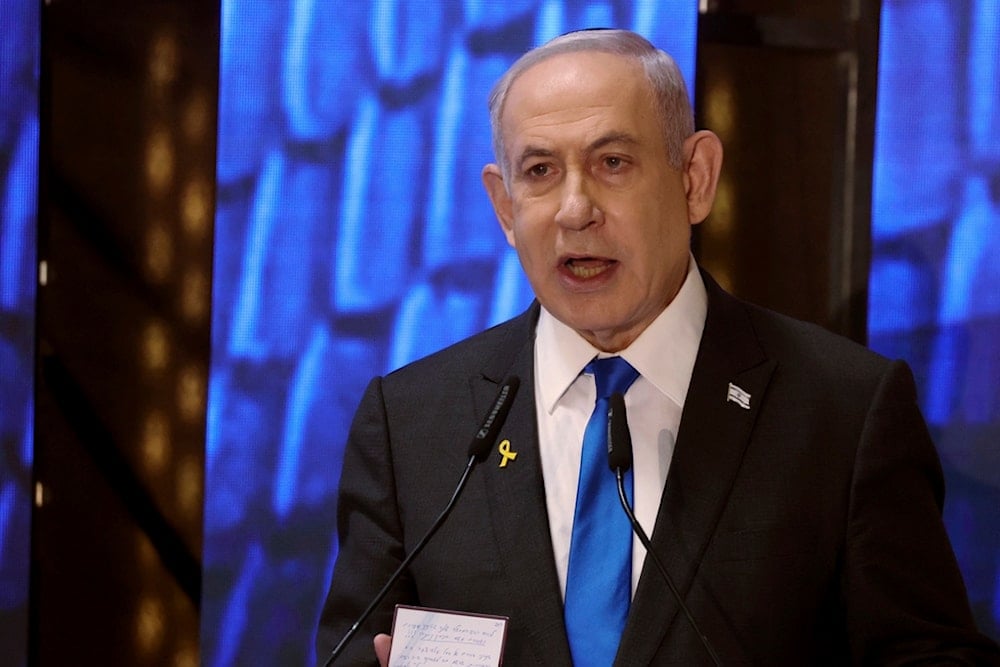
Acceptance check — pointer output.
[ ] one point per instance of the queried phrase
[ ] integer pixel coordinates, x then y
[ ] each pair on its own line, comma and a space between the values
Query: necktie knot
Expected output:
612, 375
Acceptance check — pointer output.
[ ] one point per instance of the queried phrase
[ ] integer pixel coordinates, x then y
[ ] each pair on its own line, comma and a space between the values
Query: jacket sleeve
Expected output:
903, 591
370, 546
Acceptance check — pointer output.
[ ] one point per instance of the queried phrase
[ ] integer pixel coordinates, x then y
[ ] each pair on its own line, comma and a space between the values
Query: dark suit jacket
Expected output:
804, 530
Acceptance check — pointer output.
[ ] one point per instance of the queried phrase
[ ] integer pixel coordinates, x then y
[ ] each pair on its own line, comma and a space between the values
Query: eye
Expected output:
537, 170
613, 162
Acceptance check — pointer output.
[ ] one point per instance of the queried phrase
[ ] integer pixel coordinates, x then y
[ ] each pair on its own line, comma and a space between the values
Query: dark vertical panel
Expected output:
791, 91
829, 10
774, 213
126, 197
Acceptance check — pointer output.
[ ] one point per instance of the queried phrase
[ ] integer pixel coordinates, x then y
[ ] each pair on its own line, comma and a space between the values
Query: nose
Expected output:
577, 208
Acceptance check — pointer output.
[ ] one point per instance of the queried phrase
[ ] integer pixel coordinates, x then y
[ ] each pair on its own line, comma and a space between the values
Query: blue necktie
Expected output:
599, 579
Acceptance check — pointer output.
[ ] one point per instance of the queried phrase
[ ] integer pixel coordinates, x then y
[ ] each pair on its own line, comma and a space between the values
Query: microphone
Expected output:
620, 460
480, 446
487, 434
619, 438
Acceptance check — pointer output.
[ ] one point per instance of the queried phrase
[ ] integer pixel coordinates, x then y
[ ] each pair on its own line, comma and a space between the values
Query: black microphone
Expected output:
487, 434
480, 446
619, 438
620, 460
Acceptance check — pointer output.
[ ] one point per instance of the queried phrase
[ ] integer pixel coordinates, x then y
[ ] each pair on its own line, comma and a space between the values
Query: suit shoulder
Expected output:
816, 351
482, 353
757, 332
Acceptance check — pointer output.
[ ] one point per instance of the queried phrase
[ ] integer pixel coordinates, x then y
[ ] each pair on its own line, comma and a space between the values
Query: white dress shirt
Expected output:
664, 355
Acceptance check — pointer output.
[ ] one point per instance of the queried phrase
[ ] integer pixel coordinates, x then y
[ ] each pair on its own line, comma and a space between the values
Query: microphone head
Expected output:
487, 434
619, 438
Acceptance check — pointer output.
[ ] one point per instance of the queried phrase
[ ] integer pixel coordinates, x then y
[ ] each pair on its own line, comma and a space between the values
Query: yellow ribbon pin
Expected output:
505, 452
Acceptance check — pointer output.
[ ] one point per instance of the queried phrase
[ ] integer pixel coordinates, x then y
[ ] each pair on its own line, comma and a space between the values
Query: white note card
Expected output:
422, 636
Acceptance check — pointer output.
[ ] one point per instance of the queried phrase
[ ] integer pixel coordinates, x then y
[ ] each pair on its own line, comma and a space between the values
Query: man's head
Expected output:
602, 177
664, 78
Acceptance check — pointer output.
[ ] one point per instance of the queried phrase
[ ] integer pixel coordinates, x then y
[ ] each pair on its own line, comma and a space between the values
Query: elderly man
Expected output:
785, 474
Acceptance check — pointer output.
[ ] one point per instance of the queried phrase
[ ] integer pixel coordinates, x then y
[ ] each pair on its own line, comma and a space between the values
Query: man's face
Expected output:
599, 219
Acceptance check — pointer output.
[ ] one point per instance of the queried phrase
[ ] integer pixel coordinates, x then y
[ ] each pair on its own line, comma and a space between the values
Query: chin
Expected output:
591, 326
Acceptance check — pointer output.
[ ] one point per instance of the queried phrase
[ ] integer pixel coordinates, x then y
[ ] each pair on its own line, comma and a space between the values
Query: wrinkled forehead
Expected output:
575, 78
575, 69
570, 87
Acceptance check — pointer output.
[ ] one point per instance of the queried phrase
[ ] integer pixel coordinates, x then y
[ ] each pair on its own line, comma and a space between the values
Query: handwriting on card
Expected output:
423, 636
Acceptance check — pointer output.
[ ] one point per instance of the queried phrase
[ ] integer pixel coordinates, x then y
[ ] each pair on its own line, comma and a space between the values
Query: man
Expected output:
785, 474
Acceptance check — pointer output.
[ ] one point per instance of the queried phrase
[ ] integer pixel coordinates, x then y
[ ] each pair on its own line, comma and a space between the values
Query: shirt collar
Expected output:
664, 354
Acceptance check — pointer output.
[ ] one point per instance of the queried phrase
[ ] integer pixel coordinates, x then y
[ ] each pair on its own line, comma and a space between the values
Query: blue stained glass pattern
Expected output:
352, 236
19, 30
934, 297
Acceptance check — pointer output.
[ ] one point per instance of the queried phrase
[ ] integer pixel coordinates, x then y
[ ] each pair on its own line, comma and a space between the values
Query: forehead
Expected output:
579, 93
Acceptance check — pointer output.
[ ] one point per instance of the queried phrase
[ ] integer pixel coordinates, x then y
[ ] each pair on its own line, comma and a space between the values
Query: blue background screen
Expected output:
352, 235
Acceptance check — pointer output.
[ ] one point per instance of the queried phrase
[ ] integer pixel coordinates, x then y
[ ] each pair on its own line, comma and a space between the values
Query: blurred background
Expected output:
235, 214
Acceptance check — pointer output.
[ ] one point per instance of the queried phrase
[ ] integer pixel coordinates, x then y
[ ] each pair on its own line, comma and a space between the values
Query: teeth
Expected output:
586, 271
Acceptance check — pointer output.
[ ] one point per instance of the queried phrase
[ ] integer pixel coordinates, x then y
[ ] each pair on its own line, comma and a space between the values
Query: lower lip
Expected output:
575, 283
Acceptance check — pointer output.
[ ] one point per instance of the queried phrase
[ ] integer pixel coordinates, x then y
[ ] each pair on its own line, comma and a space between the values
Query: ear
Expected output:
702, 165
500, 198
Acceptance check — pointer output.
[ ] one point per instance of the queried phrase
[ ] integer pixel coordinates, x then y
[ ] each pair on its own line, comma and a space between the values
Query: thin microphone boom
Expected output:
620, 460
481, 443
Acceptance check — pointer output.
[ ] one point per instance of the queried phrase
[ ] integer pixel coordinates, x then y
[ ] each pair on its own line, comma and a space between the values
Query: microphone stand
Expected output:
620, 460
641, 534
480, 446
402, 566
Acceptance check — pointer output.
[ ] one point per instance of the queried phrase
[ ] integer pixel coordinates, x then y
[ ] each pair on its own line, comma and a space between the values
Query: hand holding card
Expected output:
422, 636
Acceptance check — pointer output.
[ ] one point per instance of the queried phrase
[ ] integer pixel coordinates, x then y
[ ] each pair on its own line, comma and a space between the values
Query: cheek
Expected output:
654, 244
528, 232
528, 242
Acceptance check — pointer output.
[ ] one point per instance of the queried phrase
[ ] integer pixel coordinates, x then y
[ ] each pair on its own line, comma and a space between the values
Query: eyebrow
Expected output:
532, 151
612, 138
597, 144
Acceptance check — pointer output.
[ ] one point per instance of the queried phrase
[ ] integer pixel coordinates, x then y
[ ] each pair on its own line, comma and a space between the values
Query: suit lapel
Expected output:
714, 432
516, 499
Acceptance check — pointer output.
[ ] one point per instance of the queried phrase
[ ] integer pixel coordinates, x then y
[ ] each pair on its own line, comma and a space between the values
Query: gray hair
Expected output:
662, 73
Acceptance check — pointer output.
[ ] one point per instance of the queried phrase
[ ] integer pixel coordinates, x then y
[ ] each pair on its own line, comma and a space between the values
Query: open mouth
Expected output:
588, 267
